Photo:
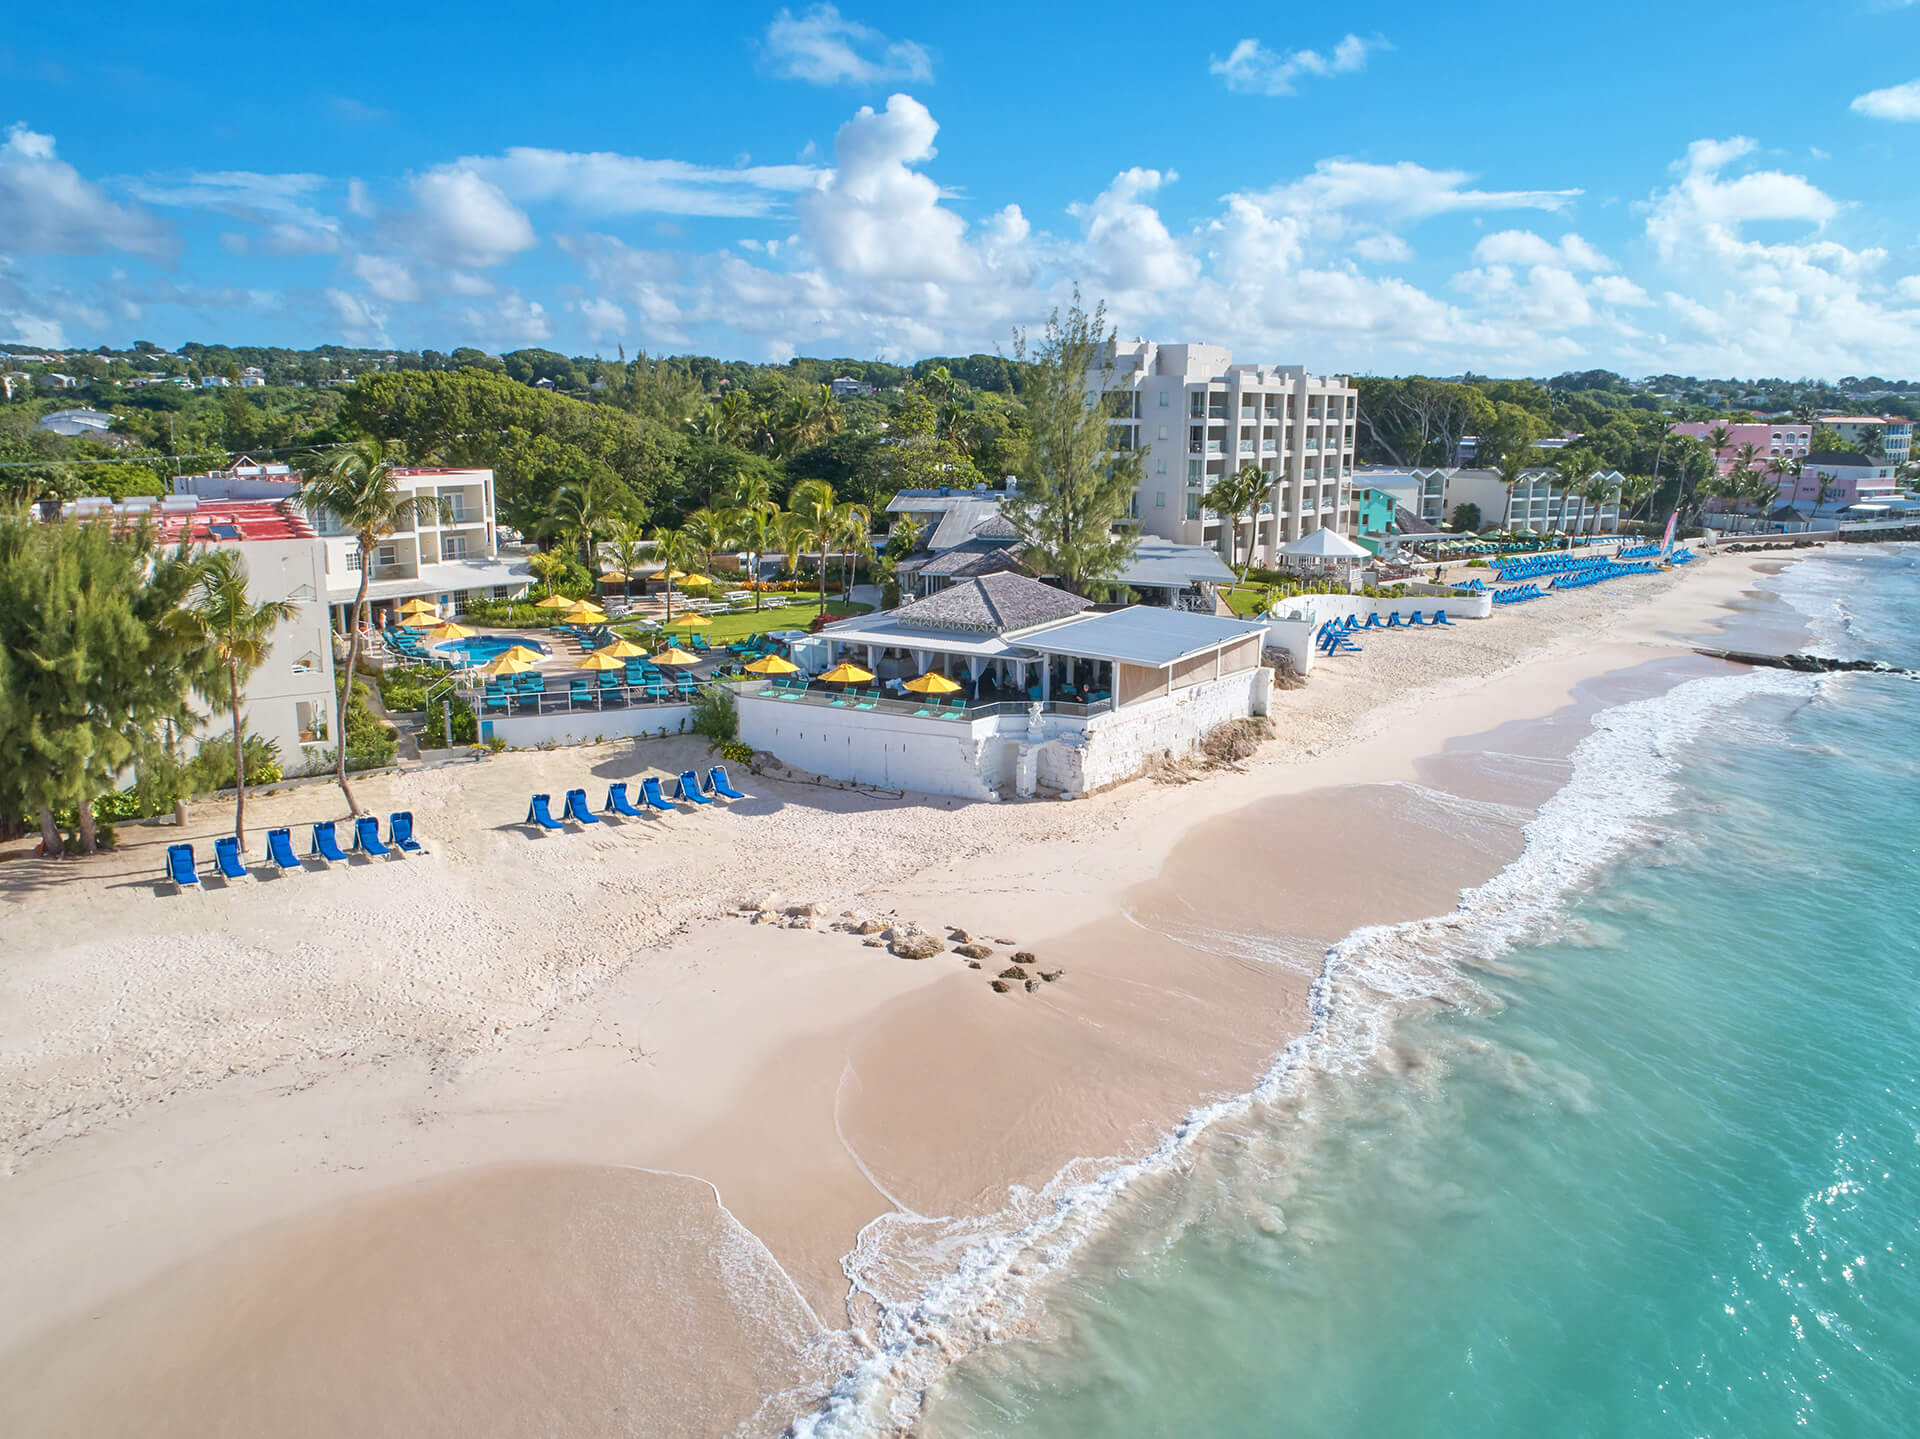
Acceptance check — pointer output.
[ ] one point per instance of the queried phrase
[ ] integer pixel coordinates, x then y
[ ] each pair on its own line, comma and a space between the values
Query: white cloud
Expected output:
1383, 249
1397, 194
360, 200
1523, 247
511, 323
359, 322
388, 278
604, 183
278, 204
604, 319
1126, 244
1896, 102
1253, 68
822, 47
48, 207
461, 219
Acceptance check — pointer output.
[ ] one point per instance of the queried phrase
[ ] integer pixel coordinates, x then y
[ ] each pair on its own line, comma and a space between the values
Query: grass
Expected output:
726, 629
1246, 601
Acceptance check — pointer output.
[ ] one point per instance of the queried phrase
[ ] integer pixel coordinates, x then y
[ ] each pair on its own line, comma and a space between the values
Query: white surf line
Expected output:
839, 1090
734, 1220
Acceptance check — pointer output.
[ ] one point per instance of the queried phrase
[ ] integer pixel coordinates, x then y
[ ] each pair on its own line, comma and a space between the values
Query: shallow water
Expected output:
1630, 1146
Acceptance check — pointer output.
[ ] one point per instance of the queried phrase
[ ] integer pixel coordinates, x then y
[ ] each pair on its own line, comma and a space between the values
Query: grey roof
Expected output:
957, 525
1161, 564
1142, 635
1408, 523
1840, 461
992, 604
996, 526
970, 560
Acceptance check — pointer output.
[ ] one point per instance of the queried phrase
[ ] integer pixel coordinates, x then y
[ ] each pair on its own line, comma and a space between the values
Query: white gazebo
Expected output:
1328, 548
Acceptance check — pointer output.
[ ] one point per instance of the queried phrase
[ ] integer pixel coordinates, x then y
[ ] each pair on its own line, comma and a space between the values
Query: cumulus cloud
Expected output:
1252, 68
47, 207
1126, 243
387, 278
510, 323
823, 47
460, 218
358, 321
1896, 102
1523, 247
1397, 194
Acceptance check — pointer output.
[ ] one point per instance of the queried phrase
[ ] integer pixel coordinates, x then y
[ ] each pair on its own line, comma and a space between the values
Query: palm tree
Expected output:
582, 509
1784, 470
1595, 491
674, 549
238, 634
741, 423
1635, 491
1572, 468
705, 422
756, 530
548, 566
1233, 496
856, 541
358, 489
1825, 482
816, 521
708, 532
624, 535
1511, 467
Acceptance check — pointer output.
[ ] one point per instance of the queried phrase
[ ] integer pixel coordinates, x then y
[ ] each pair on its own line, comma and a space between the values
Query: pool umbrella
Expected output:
425, 620
674, 656
529, 655
585, 612
613, 577
623, 650
509, 663
694, 582
688, 622
554, 602
417, 606
932, 683
601, 660
845, 673
450, 631
773, 665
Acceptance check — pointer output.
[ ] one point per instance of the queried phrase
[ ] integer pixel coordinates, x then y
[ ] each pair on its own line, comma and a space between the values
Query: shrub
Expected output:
212, 768
716, 714
735, 751
403, 688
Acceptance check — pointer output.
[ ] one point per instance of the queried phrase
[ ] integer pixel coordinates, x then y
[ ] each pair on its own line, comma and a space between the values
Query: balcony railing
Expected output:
948, 711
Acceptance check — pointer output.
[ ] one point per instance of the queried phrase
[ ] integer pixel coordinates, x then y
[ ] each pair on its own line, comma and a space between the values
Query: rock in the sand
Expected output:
958, 935
846, 914
872, 926
973, 964
973, 951
1024, 956
916, 946
1032, 985
804, 911
1013, 971
1000, 986
1050, 975
874, 943
1006, 943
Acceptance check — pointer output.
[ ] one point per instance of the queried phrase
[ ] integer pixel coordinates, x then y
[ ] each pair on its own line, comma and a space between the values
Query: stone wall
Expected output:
1118, 746
583, 726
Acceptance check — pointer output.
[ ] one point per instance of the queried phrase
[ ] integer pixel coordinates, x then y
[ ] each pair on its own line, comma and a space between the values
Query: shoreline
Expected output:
796, 1153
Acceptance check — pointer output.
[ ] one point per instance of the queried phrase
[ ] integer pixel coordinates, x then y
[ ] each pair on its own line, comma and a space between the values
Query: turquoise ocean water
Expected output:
1630, 1146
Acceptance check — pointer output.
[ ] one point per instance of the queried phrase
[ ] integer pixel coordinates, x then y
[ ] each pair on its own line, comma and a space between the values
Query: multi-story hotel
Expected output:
1782, 440
1199, 417
1894, 433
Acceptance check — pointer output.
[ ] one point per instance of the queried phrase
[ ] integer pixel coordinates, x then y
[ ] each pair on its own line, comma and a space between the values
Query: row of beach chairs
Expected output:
183, 869
1334, 637
1517, 594
688, 790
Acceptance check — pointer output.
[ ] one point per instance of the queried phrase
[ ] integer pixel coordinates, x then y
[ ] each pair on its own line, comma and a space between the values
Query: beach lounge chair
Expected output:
618, 803
720, 784
576, 808
280, 851
1440, 618
324, 843
687, 789
400, 832
366, 836
650, 795
539, 813
181, 868
226, 854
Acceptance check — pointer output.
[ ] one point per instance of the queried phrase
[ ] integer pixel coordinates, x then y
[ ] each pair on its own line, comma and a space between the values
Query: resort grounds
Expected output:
583, 1133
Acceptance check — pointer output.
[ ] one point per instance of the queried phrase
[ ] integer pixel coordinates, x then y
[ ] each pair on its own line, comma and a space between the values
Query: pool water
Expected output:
483, 649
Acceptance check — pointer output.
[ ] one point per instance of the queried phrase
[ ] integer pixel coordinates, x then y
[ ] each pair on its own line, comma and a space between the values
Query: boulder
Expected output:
973, 964
874, 943
871, 926
1024, 956
1013, 971
1050, 975
804, 911
958, 935
916, 946
1032, 985
973, 951
1000, 986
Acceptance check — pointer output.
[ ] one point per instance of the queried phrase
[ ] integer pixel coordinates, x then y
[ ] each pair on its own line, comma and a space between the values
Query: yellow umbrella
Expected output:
450, 631
601, 660
845, 673
510, 663
694, 582
675, 656
417, 605
671, 575
622, 650
772, 665
688, 622
585, 612
425, 620
932, 683
554, 602
613, 577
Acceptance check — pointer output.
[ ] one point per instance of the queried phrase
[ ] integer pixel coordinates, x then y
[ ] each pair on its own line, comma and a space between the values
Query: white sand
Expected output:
178, 1072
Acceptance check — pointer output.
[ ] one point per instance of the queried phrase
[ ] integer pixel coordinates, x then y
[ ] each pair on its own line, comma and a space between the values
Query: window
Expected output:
386, 557
302, 595
1166, 399
312, 721
1133, 506
1193, 507
1163, 432
1160, 465
353, 558
453, 547
306, 664
1159, 499
1193, 472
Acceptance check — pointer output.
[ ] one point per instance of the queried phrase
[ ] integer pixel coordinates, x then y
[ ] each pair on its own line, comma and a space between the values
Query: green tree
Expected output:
582, 510
708, 531
675, 550
358, 488
1074, 486
1465, 518
239, 632
1236, 496
815, 520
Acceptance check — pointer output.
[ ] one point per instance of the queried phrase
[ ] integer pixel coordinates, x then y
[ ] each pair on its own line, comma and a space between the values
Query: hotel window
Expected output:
453, 547
353, 558
1160, 465
302, 595
1166, 399
1193, 472
306, 664
1159, 499
1163, 432
312, 720
386, 557
1193, 507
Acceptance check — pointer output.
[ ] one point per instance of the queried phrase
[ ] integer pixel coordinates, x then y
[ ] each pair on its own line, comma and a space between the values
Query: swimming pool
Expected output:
483, 649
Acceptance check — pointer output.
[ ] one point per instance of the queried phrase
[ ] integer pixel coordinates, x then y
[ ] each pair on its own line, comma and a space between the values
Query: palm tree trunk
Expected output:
346, 691
823, 573
239, 758
50, 842
83, 821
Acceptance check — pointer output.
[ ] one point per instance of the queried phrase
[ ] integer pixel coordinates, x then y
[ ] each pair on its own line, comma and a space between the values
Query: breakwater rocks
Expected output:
1807, 664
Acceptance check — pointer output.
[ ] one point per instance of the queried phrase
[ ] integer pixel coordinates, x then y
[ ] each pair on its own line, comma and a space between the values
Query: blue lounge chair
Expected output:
280, 851
324, 843
366, 836
576, 808
720, 784
618, 803
539, 813
650, 795
226, 854
687, 789
400, 832
181, 869
1440, 618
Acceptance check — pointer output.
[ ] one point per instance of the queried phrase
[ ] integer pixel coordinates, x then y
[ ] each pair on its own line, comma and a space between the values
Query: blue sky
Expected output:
1512, 188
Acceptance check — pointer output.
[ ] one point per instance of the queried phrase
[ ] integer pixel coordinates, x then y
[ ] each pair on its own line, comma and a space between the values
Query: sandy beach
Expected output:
575, 1134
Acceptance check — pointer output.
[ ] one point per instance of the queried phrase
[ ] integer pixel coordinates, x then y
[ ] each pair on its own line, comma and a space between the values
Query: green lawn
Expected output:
726, 629
1245, 600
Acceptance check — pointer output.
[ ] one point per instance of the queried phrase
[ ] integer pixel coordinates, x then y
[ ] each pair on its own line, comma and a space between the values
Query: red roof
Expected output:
236, 522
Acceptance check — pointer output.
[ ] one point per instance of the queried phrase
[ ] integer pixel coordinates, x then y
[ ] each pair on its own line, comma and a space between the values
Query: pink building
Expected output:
1786, 440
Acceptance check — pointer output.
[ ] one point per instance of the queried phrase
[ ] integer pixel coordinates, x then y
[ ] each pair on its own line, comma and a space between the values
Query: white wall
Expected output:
298, 669
586, 725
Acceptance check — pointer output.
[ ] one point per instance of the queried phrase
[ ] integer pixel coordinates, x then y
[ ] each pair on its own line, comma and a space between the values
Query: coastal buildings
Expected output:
1833, 481
1784, 439
1055, 695
1539, 502
1891, 435
1199, 416
73, 423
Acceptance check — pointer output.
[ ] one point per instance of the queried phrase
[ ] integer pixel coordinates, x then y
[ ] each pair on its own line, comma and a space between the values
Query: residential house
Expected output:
1894, 433
1771, 440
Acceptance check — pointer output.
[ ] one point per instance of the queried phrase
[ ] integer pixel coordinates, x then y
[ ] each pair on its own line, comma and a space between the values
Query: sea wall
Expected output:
1128, 742
583, 726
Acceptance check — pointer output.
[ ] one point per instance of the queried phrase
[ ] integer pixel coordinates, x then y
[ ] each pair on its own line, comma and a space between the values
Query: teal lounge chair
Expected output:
618, 803
181, 868
280, 851
226, 854
720, 784
366, 836
324, 843
686, 790
400, 832
539, 813
576, 808
650, 795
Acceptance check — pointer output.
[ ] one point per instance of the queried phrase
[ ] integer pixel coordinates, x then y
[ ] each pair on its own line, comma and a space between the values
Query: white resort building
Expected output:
1198, 417
1054, 694
1537, 503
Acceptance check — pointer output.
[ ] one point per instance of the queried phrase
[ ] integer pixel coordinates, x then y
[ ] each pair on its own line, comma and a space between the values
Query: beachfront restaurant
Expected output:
1004, 686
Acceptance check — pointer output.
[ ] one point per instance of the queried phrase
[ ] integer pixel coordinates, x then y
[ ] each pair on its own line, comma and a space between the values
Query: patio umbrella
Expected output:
417, 606
772, 665
585, 612
613, 577
509, 663
693, 582
675, 656
524, 653
450, 631
554, 602
688, 622
846, 673
425, 620
601, 660
623, 650
932, 683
